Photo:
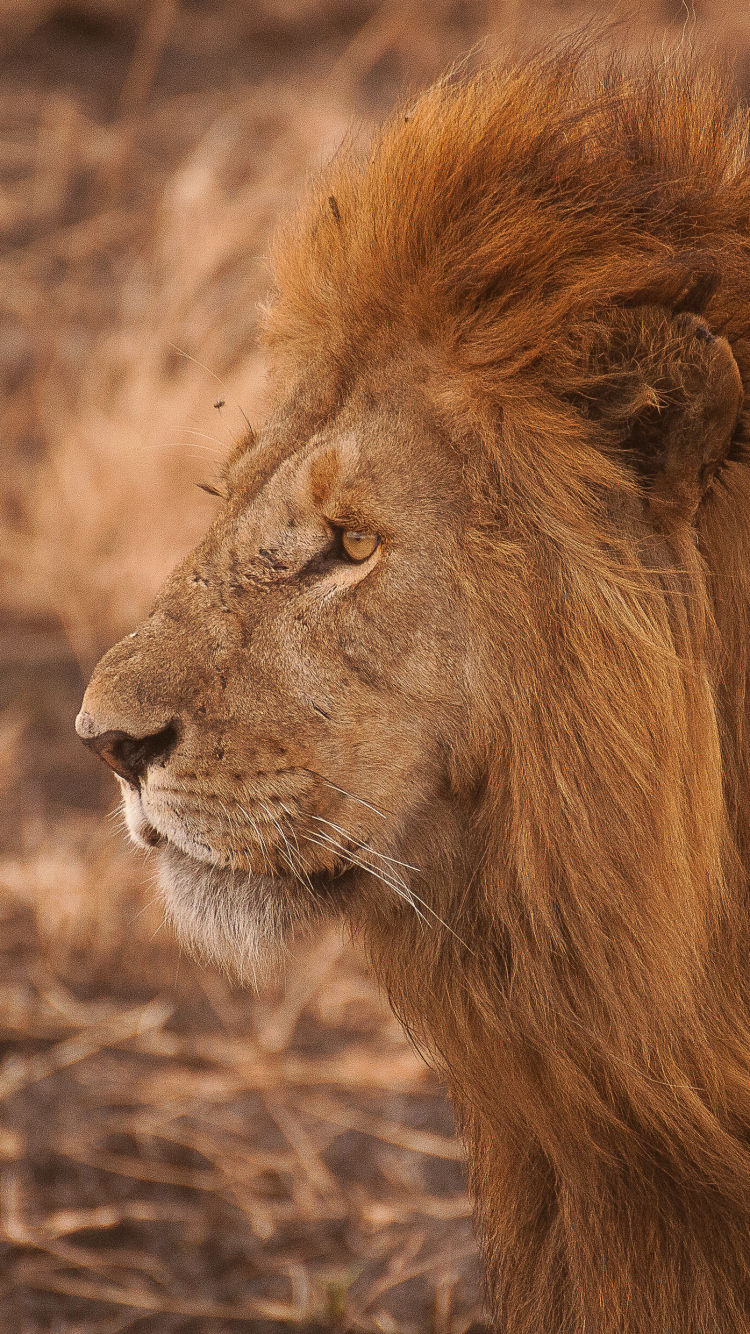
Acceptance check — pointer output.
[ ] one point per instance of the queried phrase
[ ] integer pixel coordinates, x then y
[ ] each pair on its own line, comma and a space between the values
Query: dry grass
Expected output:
175, 1155
202, 1155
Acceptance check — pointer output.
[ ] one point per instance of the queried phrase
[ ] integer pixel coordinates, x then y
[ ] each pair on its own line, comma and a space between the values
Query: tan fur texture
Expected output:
509, 745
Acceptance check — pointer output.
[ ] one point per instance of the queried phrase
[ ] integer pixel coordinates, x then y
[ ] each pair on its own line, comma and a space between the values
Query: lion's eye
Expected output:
359, 546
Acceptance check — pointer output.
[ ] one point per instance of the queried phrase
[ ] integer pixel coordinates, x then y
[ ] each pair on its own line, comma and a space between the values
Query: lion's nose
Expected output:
128, 755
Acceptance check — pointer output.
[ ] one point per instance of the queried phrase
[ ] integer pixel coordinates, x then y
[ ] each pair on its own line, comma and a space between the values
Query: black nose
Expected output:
130, 756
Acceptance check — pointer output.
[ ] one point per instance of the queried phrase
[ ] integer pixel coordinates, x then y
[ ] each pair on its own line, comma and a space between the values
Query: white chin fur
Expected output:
145, 835
235, 918
140, 831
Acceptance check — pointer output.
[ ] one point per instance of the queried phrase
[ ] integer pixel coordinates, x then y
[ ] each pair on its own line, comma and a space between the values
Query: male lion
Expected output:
464, 657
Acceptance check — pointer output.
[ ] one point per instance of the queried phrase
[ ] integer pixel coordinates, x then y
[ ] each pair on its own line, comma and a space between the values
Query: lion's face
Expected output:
287, 714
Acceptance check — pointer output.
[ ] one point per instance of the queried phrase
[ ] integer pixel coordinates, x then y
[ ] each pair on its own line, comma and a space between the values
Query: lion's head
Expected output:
288, 714
464, 657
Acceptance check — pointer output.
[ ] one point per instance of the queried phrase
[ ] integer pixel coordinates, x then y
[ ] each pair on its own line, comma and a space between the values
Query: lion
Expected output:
463, 659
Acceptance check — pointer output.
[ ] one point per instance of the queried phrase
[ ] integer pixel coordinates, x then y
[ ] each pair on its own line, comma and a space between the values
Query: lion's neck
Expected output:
609, 1254
611, 1199
600, 1216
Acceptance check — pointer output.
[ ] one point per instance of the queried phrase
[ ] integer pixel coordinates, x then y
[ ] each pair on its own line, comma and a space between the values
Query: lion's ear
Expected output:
669, 393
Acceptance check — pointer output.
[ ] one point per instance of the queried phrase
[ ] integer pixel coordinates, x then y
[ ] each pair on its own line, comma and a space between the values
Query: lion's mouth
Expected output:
193, 849
145, 834
201, 854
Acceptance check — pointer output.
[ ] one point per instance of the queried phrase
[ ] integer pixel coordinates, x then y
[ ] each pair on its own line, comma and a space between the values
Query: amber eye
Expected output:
359, 546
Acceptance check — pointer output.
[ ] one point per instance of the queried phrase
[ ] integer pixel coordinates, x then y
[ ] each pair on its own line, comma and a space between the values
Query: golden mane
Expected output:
592, 1018
497, 210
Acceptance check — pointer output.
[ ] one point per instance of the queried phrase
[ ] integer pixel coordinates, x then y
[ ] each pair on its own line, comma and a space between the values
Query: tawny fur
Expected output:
532, 298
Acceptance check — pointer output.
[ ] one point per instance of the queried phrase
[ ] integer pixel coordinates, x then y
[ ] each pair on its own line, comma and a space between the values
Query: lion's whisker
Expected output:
205, 436
183, 444
255, 827
200, 364
408, 891
382, 872
164, 922
393, 860
344, 793
302, 871
280, 830
228, 814
402, 890
299, 872
149, 904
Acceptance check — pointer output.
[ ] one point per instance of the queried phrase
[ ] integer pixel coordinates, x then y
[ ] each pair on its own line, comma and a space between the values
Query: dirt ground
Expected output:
177, 1155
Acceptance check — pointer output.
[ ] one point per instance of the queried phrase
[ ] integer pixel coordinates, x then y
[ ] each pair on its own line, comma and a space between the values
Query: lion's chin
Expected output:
235, 918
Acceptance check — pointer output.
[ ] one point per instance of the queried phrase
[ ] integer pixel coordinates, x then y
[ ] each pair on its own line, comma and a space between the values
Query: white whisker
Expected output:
298, 871
302, 871
403, 890
163, 923
344, 793
261, 841
393, 860
146, 907
397, 885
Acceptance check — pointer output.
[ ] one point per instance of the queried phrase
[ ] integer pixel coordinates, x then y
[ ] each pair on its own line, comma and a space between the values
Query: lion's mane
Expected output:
545, 236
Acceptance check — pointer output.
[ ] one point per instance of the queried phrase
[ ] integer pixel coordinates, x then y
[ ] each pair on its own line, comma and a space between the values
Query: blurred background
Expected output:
176, 1155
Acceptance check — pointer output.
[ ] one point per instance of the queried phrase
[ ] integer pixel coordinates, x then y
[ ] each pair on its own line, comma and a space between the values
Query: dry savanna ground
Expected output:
175, 1154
